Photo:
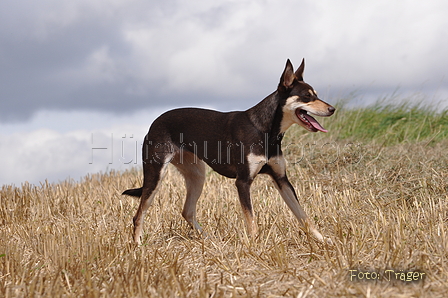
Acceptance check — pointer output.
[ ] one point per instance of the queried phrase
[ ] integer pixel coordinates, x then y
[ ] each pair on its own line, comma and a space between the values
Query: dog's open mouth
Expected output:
309, 121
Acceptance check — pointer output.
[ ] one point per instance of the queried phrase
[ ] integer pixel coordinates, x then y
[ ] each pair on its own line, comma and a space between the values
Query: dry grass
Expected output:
386, 211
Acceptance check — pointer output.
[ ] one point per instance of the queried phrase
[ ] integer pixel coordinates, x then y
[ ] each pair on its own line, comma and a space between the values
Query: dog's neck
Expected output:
266, 116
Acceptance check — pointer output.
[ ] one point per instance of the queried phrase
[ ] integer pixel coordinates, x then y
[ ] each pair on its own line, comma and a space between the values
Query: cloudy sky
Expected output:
76, 76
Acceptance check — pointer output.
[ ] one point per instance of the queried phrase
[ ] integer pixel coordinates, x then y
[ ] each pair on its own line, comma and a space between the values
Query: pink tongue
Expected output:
314, 123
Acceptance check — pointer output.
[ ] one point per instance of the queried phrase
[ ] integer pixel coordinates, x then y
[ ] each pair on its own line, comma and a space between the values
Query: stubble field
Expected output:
381, 198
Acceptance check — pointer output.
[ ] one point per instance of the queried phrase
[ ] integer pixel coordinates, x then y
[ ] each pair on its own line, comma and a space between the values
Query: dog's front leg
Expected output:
243, 187
289, 196
278, 174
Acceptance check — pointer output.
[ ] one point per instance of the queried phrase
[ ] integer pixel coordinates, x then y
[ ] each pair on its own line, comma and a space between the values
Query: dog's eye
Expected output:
305, 98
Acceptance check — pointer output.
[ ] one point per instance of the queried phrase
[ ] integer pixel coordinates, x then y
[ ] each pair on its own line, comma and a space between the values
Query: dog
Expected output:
238, 145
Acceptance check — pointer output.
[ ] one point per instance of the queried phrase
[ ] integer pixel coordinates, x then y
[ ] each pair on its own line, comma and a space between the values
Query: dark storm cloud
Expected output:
78, 57
121, 56
30, 64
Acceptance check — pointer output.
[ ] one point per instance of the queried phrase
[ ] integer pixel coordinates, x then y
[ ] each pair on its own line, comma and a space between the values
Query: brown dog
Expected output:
237, 145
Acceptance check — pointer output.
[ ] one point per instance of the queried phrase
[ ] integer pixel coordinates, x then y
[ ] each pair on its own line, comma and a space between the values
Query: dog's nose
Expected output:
331, 110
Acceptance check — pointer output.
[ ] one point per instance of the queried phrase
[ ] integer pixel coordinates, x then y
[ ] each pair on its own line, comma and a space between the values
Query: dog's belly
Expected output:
228, 171
219, 158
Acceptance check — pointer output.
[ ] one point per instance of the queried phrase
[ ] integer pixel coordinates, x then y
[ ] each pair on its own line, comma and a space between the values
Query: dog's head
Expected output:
300, 100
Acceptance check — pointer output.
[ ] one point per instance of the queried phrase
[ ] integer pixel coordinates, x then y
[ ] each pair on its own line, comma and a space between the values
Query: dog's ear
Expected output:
299, 71
288, 75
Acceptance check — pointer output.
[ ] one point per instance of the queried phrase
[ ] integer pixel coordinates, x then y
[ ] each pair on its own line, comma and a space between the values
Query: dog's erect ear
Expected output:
299, 71
288, 75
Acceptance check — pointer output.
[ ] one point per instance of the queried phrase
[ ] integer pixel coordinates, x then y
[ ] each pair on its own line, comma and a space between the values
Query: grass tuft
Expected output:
391, 121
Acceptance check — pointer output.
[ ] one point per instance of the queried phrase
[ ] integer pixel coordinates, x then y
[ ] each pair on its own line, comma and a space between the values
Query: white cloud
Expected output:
38, 155
34, 153
347, 44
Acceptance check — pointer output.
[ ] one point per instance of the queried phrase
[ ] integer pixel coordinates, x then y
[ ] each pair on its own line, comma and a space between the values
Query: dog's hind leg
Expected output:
193, 170
153, 174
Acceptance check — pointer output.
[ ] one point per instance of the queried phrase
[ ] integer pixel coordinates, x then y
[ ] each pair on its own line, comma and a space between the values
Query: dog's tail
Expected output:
135, 192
